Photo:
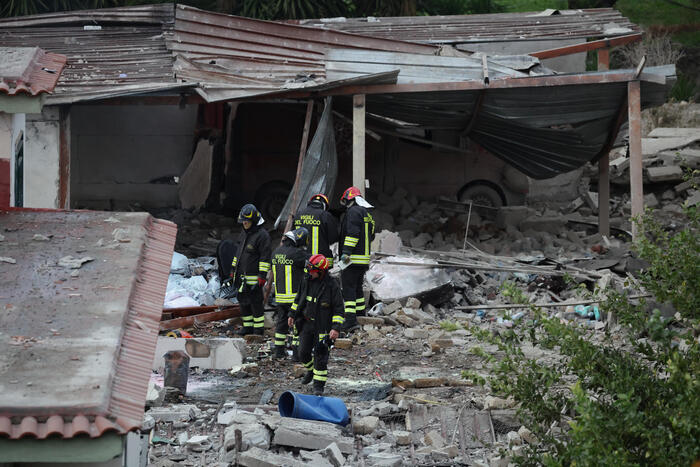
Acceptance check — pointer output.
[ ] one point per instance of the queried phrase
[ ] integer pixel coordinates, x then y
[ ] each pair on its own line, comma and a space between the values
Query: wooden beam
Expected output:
604, 195
635, 149
64, 158
603, 59
358, 142
586, 46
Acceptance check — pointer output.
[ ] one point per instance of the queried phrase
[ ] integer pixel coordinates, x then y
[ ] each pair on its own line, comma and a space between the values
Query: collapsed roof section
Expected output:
77, 350
29, 70
540, 122
496, 27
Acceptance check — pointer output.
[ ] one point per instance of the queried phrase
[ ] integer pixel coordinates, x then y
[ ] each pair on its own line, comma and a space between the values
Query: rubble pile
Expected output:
192, 282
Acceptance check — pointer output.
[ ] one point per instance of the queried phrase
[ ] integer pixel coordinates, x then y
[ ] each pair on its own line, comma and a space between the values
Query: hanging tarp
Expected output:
320, 168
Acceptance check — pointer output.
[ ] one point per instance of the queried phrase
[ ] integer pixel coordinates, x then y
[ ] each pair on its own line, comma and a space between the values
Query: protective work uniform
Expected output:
288, 263
356, 235
249, 269
321, 224
318, 314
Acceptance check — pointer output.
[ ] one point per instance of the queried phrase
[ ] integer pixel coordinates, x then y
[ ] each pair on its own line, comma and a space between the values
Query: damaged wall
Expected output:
123, 154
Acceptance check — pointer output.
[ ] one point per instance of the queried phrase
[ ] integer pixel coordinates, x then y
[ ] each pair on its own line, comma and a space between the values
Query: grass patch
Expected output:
448, 326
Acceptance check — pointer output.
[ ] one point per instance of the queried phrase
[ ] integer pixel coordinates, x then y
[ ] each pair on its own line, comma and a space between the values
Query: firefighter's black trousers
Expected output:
312, 352
251, 302
282, 326
351, 279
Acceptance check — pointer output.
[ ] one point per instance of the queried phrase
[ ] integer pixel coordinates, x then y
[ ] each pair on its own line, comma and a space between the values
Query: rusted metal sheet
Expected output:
29, 70
498, 27
599, 45
142, 14
78, 351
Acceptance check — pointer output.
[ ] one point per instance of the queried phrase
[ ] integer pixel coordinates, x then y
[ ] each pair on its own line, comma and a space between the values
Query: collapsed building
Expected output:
159, 107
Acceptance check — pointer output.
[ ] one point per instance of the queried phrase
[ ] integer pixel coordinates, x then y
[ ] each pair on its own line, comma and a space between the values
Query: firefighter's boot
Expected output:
318, 388
307, 377
350, 323
280, 351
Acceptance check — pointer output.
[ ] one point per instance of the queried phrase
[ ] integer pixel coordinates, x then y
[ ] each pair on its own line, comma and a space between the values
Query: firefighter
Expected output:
288, 263
356, 235
249, 269
321, 224
318, 315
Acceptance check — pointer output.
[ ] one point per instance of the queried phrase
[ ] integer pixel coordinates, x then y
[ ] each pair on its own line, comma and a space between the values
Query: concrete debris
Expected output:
665, 174
121, 235
74, 263
155, 395
389, 279
306, 434
492, 402
527, 436
41, 238
6, 259
257, 457
365, 425
174, 413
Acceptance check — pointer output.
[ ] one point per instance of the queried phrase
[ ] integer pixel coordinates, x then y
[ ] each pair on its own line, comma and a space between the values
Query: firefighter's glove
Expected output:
261, 282
345, 258
290, 322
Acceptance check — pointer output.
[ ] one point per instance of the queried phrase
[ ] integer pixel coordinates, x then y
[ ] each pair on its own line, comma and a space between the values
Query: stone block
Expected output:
385, 459
387, 242
665, 132
313, 435
403, 438
418, 315
413, 302
333, 455
362, 320
404, 319
174, 413
155, 395
497, 403
416, 333
343, 344
527, 435
693, 199
253, 434
665, 174
513, 439
650, 201
223, 353
365, 425
256, 457
391, 308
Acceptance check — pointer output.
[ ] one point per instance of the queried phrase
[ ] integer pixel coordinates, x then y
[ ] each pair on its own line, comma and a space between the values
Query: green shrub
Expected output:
684, 89
605, 400
448, 326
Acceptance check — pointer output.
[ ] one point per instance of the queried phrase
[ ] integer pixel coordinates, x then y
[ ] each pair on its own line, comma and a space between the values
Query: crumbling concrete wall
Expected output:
123, 154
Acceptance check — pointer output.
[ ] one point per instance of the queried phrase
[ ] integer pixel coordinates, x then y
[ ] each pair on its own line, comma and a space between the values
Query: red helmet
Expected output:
322, 198
318, 263
349, 194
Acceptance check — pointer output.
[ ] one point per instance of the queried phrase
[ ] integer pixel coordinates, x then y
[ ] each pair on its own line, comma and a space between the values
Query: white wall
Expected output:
5, 135
566, 64
41, 154
117, 150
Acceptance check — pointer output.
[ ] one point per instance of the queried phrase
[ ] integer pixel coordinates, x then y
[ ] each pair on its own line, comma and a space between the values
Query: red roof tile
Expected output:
29, 70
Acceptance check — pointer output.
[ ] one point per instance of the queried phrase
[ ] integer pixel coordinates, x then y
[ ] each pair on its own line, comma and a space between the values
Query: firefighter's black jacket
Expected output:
252, 258
322, 227
320, 300
288, 263
356, 234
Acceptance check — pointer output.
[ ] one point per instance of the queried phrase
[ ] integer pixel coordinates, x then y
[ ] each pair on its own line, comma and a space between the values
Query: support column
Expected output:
604, 195
635, 147
603, 59
64, 159
42, 142
358, 142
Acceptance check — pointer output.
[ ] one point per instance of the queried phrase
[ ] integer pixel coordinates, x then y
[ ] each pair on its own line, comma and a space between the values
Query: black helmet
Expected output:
299, 236
321, 200
249, 213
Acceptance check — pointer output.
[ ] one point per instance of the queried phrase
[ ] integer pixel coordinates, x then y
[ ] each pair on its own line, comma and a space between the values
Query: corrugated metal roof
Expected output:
496, 27
117, 51
251, 57
29, 70
77, 351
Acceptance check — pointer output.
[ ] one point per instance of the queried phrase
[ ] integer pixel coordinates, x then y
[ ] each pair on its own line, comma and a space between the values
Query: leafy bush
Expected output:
607, 400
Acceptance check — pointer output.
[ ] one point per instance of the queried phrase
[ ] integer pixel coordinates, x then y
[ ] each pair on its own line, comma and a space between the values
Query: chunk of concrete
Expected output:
155, 395
362, 320
651, 146
174, 413
385, 459
333, 455
527, 435
365, 425
253, 433
665, 174
416, 333
387, 242
224, 353
662, 132
256, 457
419, 315
513, 439
492, 402
313, 435
434, 439
403, 438
651, 201
421, 240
